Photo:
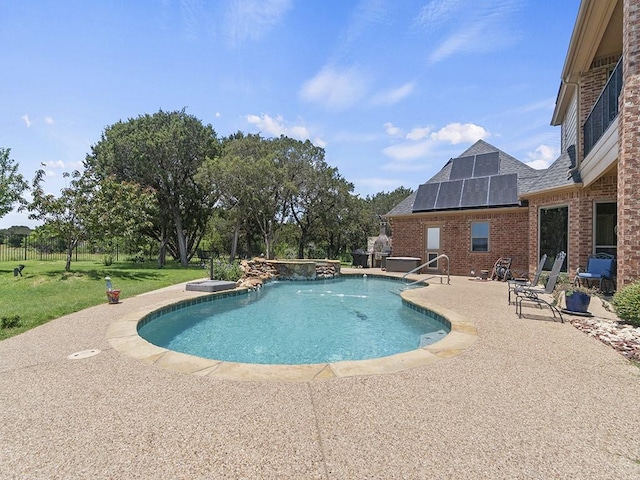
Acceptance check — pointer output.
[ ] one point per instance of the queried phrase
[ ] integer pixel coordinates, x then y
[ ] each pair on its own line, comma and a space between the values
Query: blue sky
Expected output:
390, 88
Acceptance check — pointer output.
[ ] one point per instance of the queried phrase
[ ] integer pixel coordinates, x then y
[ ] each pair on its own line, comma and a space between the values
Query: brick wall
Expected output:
581, 204
508, 237
629, 149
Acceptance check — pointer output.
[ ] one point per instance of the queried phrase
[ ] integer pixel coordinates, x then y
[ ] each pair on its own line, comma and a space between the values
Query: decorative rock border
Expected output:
623, 338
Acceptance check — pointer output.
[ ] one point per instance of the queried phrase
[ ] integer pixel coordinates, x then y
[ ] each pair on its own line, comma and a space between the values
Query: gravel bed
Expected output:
622, 337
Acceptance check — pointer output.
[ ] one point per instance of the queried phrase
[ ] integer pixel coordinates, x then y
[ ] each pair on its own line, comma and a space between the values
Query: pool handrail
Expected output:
424, 265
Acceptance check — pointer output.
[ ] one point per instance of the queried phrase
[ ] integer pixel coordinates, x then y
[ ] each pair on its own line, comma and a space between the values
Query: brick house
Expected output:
588, 200
470, 210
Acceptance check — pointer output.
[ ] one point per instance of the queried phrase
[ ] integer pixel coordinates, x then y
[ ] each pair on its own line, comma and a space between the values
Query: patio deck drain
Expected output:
83, 354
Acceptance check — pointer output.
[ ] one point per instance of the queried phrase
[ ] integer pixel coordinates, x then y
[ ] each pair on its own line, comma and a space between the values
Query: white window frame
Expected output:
488, 237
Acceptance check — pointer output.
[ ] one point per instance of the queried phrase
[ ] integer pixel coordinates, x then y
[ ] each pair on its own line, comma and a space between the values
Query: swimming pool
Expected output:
298, 323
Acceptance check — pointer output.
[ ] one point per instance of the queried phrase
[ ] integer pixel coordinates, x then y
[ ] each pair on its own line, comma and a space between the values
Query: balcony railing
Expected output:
605, 111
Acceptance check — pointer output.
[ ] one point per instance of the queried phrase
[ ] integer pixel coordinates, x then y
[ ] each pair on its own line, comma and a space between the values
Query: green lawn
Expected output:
45, 291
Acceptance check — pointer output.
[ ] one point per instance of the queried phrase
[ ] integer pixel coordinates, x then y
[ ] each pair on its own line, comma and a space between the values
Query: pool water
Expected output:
299, 323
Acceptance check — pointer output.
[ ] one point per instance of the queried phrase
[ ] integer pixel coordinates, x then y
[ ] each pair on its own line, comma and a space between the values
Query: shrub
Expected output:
223, 270
346, 258
107, 260
626, 303
10, 322
284, 251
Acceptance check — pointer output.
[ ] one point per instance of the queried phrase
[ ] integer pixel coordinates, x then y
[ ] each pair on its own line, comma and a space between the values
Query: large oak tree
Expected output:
164, 151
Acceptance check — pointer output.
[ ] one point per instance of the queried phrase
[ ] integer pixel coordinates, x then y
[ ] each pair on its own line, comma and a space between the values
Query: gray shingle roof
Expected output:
527, 176
557, 175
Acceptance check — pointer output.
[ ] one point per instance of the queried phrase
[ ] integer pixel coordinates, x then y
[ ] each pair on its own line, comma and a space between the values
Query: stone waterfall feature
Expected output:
259, 270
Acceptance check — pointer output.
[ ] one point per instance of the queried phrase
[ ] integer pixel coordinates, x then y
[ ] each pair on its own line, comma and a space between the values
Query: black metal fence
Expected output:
20, 248
605, 110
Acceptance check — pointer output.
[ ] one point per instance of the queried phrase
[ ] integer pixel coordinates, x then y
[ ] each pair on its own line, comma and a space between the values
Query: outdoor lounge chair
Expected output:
600, 268
516, 282
532, 295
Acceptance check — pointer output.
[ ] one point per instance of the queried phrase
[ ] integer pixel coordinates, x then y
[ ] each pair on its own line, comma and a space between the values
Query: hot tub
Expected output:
402, 264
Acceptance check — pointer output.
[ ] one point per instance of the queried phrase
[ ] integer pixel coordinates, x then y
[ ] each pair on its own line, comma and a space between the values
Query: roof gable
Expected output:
482, 176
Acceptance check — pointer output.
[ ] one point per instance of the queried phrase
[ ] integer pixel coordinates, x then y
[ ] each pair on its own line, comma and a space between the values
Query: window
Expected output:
554, 234
605, 231
432, 247
480, 237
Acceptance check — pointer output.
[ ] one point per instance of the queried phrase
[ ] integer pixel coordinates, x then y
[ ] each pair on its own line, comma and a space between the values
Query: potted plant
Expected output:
576, 297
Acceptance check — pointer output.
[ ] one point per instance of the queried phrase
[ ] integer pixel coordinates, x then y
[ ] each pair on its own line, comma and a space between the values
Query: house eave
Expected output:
591, 24
457, 212
553, 191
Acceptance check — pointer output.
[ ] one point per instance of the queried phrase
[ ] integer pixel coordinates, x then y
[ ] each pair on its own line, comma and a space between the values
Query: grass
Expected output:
45, 291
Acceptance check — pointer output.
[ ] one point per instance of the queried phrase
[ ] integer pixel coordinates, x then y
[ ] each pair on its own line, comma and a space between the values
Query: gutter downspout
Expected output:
575, 169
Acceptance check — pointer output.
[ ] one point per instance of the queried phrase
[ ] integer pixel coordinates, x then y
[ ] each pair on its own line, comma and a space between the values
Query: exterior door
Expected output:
432, 246
606, 227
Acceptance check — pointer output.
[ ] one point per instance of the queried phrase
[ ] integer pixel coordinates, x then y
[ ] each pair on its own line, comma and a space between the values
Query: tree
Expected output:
62, 215
318, 193
250, 179
12, 184
382, 203
117, 210
89, 209
163, 152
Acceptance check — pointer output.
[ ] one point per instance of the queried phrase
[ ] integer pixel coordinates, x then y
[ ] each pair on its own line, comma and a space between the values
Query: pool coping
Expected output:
122, 335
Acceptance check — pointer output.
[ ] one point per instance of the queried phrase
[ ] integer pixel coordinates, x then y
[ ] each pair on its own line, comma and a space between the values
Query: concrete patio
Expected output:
530, 398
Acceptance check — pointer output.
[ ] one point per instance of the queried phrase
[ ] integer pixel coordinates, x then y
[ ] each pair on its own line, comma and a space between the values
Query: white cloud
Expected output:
408, 151
27, 122
472, 26
420, 142
336, 89
375, 185
192, 13
455, 133
253, 19
418, 133
468, 40
542, 157
52, 167
545, 105
48, 120
367, 15
391, 97
268, 124
54, 164
437, 12
217, 115
392, 130
298, 131
277, 126
319, 142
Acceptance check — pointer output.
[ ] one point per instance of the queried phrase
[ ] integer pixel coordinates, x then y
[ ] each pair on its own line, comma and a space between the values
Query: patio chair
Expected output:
516, 282
600, 268
532, 295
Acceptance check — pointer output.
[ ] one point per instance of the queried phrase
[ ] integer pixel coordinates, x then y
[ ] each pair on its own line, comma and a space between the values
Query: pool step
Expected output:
410, 286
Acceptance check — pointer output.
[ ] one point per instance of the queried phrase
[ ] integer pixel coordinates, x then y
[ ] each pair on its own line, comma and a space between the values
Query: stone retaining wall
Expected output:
258, 270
